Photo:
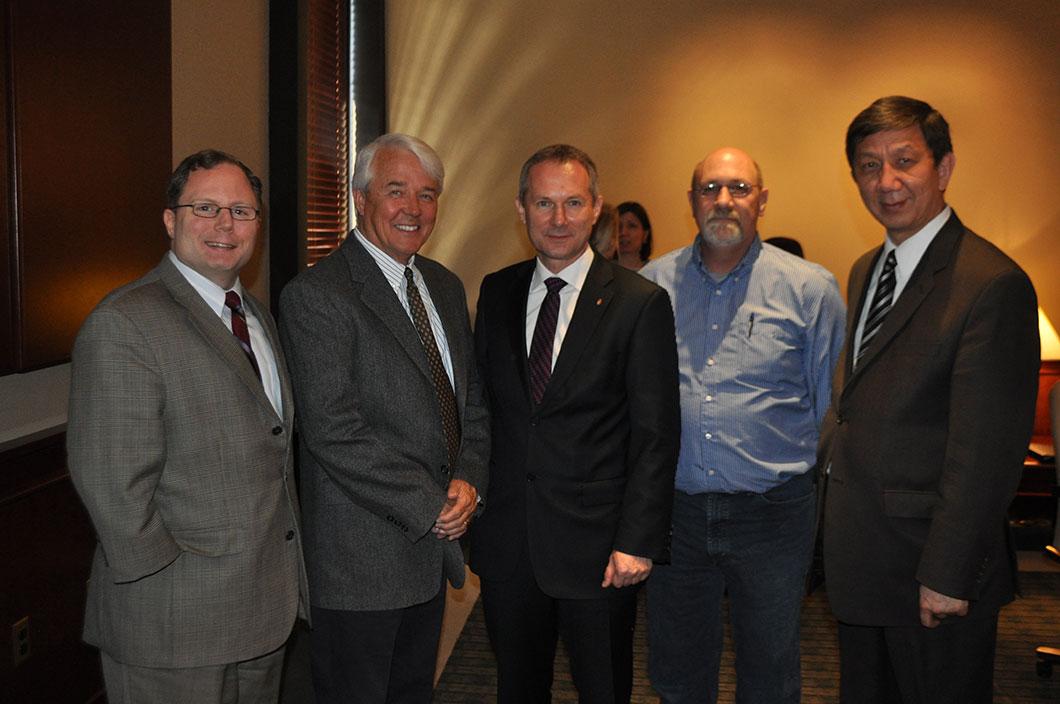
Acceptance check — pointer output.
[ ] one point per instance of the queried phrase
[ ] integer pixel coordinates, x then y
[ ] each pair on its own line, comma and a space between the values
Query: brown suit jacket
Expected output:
926, 438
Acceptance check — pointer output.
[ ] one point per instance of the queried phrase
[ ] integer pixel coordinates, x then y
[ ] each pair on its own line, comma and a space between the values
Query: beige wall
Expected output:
220, 99
221, 93
647, 88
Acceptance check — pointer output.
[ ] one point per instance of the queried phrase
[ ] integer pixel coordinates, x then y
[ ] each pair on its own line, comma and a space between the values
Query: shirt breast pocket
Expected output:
767, 348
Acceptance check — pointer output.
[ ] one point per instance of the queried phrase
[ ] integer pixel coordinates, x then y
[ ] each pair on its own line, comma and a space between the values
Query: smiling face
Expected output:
218, 248
899, 181
559, 212
397, 211
724, 220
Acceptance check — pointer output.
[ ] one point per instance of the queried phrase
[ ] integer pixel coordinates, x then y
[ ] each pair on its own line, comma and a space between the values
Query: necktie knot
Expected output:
233, 301
554, 284
410, 275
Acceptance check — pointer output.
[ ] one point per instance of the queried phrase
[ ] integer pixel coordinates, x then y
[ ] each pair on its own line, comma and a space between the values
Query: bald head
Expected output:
727, 199
733, 157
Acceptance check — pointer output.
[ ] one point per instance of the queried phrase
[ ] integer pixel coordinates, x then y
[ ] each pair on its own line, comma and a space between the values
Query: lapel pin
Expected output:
599, 301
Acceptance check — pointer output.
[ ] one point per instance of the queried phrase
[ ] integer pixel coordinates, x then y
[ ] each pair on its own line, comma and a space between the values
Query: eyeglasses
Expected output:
212, 210
737, 189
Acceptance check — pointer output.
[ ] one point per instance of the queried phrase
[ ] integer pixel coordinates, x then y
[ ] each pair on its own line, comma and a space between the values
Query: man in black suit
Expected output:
932, 411
579, 361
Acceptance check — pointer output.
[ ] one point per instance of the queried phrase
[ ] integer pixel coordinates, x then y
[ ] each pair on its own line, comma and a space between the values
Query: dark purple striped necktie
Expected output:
880, 306
540, 361
239, 328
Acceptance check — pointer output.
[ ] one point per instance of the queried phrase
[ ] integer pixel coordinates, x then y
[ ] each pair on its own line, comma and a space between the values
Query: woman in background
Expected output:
634, 235
604, 238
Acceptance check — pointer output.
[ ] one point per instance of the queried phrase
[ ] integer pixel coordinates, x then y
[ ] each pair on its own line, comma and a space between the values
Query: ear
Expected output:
762, 202
945, 170
597, 207
358, 202
519, 208
169, 219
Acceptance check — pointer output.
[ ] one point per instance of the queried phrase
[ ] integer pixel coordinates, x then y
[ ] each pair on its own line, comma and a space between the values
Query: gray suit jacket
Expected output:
373, 462
184, 467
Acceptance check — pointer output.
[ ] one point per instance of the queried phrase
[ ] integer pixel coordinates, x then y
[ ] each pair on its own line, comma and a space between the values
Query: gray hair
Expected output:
428, 158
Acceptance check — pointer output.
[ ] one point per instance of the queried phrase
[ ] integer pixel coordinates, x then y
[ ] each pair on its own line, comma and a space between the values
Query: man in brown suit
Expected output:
932, 411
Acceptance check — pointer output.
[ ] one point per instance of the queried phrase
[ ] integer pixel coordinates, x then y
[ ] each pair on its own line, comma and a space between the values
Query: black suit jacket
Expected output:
926, 438
590, 469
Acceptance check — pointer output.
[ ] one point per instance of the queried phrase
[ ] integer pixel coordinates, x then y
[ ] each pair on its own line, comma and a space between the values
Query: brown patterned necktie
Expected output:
442, 388
239, 328
541, 344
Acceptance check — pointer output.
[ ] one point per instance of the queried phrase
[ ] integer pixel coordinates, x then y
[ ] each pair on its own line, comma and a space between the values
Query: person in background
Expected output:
758, 336
180, 445
788, 244
604, 239
634, 235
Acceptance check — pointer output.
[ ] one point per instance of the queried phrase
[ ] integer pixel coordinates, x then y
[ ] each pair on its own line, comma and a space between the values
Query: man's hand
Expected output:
623, 570
456, 514
934, 607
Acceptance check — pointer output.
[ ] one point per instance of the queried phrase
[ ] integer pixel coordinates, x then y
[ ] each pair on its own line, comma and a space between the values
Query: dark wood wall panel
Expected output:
90, 111
46, 544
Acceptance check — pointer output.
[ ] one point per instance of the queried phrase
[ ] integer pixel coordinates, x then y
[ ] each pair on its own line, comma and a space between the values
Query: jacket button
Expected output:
277, 430
290, 535
839, 419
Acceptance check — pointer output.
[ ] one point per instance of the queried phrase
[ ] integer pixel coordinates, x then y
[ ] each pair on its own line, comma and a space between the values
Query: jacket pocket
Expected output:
601, 491
211, 542
909, 504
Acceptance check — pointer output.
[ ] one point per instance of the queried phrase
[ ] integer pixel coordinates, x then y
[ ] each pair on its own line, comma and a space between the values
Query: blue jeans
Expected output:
756, 547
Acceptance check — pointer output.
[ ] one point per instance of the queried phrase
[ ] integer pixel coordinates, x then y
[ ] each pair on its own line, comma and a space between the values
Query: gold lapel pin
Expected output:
599, 301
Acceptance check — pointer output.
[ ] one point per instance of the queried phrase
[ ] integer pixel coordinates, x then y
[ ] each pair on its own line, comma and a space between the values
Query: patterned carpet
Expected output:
1033, 620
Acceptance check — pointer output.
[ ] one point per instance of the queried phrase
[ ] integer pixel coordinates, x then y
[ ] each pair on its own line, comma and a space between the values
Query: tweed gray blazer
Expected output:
373, 461
185, 469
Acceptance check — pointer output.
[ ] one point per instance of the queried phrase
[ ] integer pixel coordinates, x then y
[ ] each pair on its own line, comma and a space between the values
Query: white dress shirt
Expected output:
907, 255
394, 272
214, 296
574, 275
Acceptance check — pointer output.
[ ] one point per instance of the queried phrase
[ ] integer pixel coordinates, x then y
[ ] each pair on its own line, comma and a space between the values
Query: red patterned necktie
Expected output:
239, 328
541, 344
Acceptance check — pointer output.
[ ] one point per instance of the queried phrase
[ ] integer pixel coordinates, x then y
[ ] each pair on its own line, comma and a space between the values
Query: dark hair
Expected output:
561, 153
632, 206
788, 244
206, 159
897, 112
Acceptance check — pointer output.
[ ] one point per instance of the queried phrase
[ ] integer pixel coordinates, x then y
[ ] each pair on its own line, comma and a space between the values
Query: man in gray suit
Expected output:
179, 443
394, 433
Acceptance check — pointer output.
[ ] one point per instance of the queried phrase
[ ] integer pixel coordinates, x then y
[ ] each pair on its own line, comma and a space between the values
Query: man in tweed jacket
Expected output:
182, 455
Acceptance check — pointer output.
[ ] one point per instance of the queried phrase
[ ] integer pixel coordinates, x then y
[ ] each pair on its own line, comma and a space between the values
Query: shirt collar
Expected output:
909, 252
213, 294
746, 262
573, 274
392, 269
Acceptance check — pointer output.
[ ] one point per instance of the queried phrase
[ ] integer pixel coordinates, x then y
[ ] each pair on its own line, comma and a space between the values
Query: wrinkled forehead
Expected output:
727, 166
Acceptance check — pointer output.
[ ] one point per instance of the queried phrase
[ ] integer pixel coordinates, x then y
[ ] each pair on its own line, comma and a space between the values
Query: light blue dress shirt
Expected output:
756, 351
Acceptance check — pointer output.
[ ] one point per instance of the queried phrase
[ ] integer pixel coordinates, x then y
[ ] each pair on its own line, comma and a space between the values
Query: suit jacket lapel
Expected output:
273, 337
210, 326
379, 298
936, 258
593, 301
517, 297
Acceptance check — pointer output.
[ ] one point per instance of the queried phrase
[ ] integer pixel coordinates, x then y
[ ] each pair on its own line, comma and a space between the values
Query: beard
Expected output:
722, 232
